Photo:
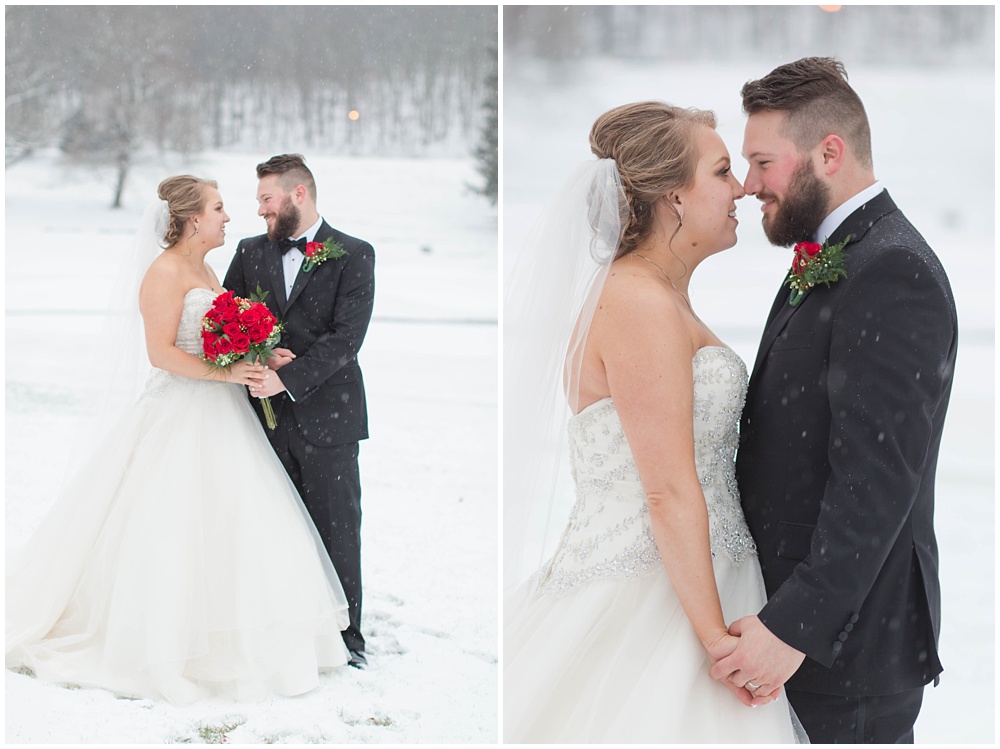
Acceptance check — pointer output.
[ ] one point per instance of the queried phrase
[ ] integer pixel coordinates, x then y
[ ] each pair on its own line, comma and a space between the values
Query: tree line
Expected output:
108, 83
908, 34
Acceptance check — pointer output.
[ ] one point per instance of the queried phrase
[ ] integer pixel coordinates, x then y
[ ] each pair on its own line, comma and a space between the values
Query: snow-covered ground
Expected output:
429, 471
940, 172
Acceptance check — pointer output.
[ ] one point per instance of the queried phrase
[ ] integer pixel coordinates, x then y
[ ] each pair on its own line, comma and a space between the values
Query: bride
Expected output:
612, 637
180, 562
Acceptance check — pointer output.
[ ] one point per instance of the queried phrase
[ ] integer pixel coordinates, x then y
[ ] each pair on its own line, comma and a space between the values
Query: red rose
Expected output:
226, 316
232, 329
257, 333
312, 248
241, 343
223, 346
208, 341
804, 252
250, 316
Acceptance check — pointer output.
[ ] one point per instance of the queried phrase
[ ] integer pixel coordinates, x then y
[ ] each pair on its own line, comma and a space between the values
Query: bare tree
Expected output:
34, 108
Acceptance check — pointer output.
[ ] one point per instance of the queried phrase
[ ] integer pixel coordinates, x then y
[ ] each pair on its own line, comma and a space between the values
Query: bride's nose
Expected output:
738, 192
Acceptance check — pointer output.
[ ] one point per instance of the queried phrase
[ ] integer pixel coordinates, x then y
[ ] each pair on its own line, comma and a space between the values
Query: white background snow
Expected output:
429, 471
933, 143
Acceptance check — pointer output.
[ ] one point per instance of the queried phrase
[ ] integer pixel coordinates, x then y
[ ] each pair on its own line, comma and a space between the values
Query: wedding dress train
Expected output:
180, 562
597, 647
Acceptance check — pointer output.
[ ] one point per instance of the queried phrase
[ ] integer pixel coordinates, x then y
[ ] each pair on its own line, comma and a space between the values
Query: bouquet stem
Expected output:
272, 423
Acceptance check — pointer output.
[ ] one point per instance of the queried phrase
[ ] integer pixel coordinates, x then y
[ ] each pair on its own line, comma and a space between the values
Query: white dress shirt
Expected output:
845, 209
291, 261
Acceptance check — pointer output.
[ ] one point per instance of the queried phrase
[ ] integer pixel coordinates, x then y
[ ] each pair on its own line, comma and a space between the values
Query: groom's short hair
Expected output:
291, 170
819, 102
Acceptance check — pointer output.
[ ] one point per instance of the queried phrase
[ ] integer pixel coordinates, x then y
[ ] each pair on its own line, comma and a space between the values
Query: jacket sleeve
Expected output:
339, 346
889, 353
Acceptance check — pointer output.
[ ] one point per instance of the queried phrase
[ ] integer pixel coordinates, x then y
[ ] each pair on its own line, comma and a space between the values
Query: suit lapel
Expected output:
856, 226
781, 313
302, 279
272, 258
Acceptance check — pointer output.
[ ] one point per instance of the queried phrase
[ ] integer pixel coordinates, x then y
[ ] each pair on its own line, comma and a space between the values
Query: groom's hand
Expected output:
759, 658
279, 357
271, 385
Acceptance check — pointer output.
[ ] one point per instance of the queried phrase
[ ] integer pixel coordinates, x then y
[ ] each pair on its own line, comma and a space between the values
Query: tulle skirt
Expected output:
179, 563
617, 661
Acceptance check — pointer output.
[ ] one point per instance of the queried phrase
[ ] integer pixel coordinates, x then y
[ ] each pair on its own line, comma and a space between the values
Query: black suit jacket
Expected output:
325, 320
838, 451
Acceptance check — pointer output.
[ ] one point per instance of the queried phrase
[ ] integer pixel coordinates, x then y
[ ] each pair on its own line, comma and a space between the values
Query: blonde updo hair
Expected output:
655, 147
186, 198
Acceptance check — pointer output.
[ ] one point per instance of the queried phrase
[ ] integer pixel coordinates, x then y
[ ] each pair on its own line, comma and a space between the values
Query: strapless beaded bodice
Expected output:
197, 302
608, 535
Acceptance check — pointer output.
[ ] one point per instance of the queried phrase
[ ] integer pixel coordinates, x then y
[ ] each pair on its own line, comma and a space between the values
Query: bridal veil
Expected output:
549, 302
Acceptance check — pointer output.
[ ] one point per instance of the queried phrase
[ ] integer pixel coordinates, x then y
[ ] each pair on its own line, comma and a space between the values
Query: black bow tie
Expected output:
286, 244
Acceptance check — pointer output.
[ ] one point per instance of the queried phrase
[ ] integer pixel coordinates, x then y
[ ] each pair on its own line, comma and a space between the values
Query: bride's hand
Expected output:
242, 373
724, 645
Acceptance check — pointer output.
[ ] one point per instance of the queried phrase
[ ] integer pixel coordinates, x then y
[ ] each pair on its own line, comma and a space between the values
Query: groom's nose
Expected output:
752, 185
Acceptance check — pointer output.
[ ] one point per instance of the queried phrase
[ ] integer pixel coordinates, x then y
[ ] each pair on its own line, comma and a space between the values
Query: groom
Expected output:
840, 435
315, 385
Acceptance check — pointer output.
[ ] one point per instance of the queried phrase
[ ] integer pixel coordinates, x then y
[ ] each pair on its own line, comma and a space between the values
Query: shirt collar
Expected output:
845, 209
310, 233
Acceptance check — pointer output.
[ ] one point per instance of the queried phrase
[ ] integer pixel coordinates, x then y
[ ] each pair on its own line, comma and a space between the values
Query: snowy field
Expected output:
939, 173
429, 471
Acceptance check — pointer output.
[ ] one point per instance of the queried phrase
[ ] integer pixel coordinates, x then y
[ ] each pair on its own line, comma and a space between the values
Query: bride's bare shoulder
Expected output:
163, 277
630, 294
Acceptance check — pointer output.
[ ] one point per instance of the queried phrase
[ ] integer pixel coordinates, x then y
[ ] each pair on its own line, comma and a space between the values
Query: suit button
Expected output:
854, 618
848, 627
842, 637
837, 646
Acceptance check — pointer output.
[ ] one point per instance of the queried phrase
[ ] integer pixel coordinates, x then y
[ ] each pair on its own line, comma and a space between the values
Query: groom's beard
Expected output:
799, 214
286, 222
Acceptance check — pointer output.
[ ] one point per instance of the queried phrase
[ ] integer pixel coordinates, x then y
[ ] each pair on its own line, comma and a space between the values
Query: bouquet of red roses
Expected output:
235, 328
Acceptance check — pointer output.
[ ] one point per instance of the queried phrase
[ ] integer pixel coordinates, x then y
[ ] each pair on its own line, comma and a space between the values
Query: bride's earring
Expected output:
673, 202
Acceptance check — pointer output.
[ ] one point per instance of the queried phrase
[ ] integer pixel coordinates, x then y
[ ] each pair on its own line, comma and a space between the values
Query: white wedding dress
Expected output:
180, 563
596, 645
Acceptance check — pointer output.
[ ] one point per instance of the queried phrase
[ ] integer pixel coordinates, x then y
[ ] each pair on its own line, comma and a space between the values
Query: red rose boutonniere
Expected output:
320, 252
814, 264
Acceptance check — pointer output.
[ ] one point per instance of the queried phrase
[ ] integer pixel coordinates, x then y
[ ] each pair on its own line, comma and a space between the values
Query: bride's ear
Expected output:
673, 203
672, 199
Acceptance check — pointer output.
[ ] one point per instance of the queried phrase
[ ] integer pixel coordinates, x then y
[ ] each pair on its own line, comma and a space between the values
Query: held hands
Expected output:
759, 665
271, 385
724, 647
279, 358
243, 373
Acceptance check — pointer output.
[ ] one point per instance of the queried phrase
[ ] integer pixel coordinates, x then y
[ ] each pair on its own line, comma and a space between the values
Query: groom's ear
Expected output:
832, 150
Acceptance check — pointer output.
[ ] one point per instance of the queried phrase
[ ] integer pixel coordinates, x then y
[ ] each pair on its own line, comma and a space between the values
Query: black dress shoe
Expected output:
358, 660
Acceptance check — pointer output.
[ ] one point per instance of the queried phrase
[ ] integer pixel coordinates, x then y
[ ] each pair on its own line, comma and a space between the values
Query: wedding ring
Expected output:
752, 686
